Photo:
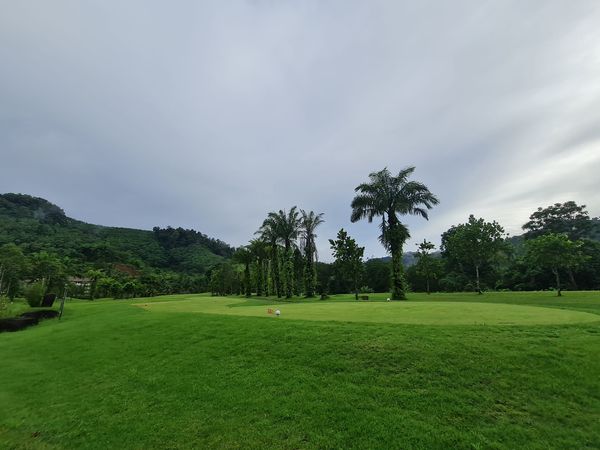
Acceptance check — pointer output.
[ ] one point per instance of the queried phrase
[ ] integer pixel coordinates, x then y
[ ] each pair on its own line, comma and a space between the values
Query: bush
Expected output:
366, 290
3, 306
34, 294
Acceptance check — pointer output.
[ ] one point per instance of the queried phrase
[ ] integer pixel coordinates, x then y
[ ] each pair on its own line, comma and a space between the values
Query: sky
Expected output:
208, 115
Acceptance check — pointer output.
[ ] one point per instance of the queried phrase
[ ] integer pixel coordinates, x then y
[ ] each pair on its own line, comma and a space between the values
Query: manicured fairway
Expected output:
426, 313
113, 375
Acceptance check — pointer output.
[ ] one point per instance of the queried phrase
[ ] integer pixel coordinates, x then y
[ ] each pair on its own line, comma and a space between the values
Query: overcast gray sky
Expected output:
207, 115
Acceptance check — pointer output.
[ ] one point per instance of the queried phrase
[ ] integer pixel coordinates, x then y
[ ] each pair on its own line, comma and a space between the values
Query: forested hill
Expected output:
36, 225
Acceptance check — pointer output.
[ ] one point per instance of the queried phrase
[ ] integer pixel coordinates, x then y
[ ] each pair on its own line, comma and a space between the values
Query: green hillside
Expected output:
37, 226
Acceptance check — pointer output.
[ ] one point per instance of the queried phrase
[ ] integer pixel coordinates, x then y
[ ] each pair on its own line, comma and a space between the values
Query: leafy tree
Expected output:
348, 257
589, 273
324, 277
49, 269
377, 274
474, 244
389, 196
555, 252
310, 221
224, 280
13, 266
427, 265
94, 275
568, 218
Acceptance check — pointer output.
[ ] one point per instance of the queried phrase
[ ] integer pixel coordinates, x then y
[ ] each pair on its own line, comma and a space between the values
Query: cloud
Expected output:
209, 115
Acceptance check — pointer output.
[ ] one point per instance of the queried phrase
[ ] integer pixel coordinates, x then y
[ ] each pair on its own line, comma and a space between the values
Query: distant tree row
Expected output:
43, 272
282, 259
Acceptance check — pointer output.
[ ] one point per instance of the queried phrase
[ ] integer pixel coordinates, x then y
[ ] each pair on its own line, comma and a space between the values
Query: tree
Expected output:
94, 275
474, 244
13, 265
427, 266
310, 221
260, 252
377, 274
282, 227
568, 218
389, 196
244, 256
49, 269
269, 232
555, 252
348, 257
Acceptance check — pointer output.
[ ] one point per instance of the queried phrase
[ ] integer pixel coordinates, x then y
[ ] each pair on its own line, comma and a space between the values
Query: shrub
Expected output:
366, 290
3, 306
34, 294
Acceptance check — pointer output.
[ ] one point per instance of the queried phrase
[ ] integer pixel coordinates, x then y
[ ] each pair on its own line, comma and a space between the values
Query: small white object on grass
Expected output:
277, 312
388, 299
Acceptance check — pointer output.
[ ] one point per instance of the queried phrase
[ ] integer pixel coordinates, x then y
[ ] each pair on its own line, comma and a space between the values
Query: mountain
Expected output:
36, 225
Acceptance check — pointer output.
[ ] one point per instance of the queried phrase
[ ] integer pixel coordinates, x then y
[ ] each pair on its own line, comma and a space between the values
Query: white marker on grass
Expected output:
277, 312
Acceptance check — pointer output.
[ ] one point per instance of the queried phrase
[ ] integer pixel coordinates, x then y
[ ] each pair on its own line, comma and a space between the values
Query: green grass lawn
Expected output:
201, 372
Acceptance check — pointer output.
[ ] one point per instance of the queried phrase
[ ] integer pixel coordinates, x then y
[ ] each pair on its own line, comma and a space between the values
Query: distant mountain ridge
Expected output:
36, 224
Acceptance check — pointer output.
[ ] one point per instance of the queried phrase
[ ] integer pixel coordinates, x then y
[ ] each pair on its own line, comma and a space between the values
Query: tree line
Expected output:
559, 248
42, 251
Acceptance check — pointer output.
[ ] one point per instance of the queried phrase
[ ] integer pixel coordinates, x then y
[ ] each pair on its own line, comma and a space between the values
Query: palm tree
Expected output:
284, 227
388, 196
260, 252
310, 221
269, 233
244, 256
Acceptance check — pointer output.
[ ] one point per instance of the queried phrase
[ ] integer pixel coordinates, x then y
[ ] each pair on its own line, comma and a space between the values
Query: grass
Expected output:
425, 313
114, 375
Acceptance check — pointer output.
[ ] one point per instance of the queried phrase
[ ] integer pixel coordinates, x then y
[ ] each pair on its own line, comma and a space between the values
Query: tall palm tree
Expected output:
284, 227
310, 221
269, 233
288, 227
388, 197
260, 252
243, 256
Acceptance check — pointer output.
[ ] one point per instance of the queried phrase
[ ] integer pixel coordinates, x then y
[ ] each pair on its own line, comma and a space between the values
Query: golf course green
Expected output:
501, 371
425, 313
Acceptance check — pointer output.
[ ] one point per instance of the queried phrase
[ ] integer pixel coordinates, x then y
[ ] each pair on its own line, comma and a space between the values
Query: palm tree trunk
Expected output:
259, 278
267, 278
247, 283
309, 274
289, 273
275, 271
572, 278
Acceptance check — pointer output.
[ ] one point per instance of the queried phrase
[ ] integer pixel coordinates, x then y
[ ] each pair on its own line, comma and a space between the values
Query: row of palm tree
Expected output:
283, 254
286, 239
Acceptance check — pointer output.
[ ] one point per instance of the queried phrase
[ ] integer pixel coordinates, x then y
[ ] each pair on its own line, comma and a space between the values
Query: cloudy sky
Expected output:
207, 115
